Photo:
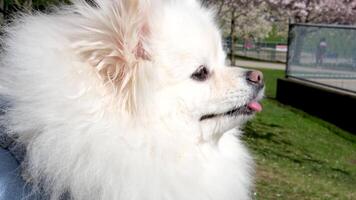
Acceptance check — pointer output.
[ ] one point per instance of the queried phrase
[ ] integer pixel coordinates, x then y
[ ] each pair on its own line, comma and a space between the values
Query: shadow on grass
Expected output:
268, 140
270, 132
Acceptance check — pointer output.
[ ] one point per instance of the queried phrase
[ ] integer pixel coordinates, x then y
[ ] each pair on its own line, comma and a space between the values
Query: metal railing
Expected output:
264, 51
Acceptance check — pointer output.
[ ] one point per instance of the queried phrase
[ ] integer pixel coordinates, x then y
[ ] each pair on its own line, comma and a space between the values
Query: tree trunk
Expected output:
232, 44
30, 4
2, 11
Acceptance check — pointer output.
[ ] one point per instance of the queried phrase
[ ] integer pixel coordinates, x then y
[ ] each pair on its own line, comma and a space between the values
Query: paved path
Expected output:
259, 64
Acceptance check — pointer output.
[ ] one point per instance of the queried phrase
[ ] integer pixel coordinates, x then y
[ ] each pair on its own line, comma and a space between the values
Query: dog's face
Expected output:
192, 81
170, 63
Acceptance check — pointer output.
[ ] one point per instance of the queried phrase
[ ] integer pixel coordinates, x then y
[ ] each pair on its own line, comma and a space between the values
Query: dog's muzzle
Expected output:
254, 79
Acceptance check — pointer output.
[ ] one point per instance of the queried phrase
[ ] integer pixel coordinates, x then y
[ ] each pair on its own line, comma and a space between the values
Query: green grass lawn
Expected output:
299, 156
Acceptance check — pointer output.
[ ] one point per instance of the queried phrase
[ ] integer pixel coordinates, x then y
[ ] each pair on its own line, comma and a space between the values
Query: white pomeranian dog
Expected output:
128, 100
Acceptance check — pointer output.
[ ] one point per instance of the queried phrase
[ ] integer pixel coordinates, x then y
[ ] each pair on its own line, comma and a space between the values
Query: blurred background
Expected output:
251, 28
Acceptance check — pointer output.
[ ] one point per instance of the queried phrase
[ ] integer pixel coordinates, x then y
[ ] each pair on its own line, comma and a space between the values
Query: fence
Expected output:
265, 51
323, 54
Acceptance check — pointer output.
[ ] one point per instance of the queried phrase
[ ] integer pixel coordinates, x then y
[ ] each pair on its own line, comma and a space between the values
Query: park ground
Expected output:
299, 156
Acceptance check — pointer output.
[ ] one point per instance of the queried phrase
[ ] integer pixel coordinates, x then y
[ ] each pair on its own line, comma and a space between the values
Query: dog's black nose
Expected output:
255, 78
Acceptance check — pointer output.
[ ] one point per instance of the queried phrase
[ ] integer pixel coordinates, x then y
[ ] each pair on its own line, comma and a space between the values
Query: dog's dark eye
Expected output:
201, 74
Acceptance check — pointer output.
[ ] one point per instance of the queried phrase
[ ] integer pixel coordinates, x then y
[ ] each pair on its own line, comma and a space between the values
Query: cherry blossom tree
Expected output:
241, 18
245, 15
316, 11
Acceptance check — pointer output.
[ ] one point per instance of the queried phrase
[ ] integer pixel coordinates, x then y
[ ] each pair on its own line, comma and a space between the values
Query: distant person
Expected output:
248, 44
320, 51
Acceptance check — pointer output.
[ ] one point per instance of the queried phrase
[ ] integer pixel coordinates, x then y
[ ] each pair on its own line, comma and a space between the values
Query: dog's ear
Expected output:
114, 39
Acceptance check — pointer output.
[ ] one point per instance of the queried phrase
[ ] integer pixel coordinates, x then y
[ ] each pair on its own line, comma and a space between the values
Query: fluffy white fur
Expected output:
103, 99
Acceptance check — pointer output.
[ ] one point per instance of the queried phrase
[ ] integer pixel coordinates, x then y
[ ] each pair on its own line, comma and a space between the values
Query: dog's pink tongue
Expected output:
255, 106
